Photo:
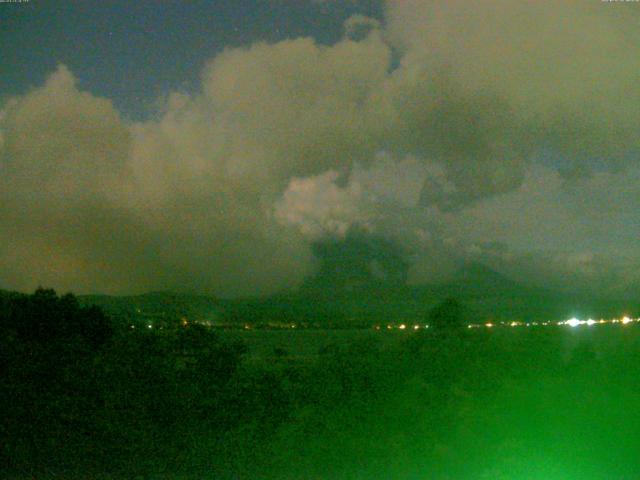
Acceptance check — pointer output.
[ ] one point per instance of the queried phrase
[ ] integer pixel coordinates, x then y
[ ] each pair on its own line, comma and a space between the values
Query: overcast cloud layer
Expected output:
498, 131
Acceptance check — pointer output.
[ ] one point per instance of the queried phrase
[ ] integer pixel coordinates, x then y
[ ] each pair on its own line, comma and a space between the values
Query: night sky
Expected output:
211, 146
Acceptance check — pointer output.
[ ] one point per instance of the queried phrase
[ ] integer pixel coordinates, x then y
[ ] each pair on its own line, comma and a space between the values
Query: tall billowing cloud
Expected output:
562, 75
424, 129
63, 161
184, 200
91, 204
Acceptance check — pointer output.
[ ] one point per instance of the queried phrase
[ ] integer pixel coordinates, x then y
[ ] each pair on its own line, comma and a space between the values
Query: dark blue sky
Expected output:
133, 51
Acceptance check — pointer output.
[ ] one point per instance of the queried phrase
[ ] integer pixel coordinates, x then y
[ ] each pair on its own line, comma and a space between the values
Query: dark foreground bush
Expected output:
184, 404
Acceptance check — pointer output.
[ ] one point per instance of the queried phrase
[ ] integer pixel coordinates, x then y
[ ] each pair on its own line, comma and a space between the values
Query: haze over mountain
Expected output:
364, 298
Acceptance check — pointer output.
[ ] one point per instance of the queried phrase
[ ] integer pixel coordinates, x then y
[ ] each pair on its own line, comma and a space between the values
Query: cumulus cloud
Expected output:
359, 26
184, 200
553, 234
63, 161
89, 203
382, 200
424, 129
566, 74
320, 206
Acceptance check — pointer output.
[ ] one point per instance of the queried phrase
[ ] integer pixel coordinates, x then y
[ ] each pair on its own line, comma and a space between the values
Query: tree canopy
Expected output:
447, 315
46, 317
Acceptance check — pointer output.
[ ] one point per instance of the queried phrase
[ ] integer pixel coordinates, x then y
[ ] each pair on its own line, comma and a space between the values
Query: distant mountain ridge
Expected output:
366, 300
171, 306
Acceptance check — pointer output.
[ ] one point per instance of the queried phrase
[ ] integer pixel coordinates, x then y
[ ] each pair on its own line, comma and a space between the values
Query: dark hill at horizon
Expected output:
485, 294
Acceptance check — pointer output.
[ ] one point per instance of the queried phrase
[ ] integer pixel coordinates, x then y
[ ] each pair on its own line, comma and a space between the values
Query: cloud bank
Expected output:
444, 128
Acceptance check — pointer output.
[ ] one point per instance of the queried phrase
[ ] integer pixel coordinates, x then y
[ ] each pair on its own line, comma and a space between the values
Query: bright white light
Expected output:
591, 321
402, 326
489, 325
626, 320
573, 322
416, 327
149, 326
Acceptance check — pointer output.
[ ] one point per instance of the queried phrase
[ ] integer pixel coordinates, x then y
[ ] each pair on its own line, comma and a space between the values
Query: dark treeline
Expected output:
84, 399
79, 396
